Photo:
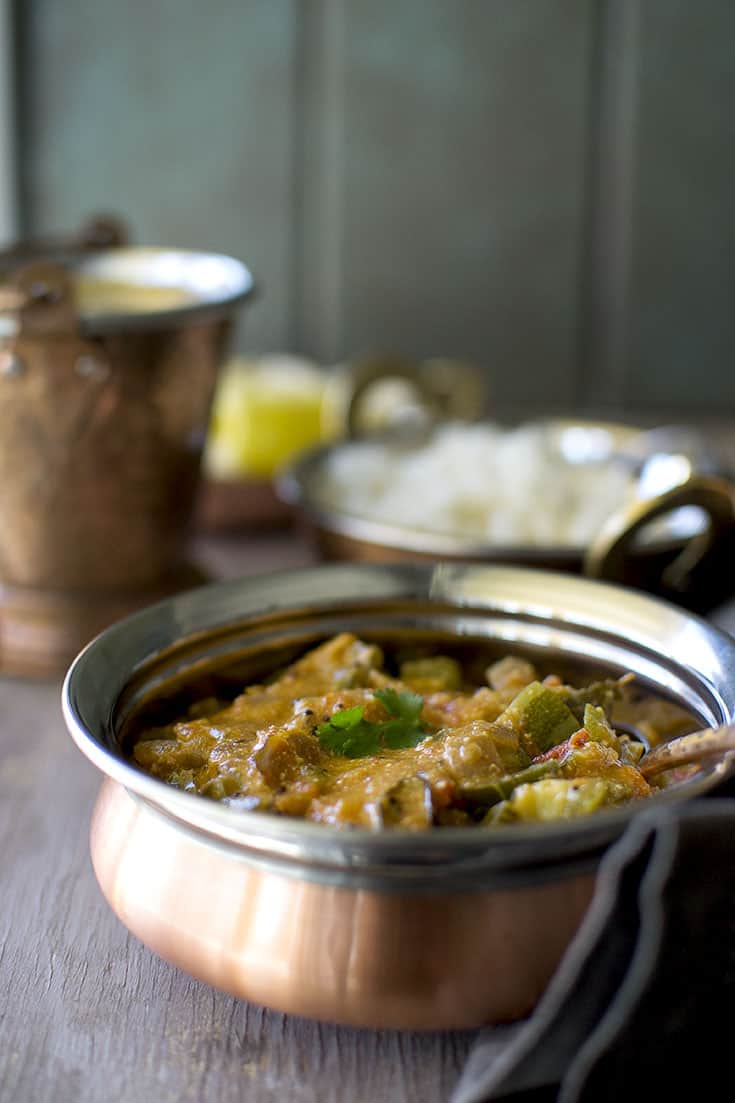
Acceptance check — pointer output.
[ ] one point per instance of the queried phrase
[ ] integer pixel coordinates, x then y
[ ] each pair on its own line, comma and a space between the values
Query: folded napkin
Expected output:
643, 1000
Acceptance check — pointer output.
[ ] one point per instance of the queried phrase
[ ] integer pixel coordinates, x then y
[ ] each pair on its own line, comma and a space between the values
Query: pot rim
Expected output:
216, 282
694, 661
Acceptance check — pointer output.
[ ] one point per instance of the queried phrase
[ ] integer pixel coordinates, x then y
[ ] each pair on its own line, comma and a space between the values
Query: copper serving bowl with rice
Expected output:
357, 912
608, 500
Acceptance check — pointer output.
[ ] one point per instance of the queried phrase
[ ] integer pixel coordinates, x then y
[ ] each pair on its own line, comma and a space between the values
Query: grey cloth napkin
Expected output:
644, 998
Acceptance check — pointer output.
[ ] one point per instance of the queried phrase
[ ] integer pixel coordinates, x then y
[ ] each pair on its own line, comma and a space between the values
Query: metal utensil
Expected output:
687, 750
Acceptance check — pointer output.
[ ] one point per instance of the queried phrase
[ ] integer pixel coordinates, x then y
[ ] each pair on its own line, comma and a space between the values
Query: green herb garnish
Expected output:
406, 730
347, 732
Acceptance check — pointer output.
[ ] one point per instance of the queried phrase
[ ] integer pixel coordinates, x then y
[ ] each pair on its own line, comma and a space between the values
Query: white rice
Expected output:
496, 486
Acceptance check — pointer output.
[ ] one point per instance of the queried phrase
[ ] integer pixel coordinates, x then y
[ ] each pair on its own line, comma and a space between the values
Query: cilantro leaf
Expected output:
348, 733
406, 730
405, 705
346, 718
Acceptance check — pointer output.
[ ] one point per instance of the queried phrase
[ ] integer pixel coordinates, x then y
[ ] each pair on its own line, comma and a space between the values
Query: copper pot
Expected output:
684, 562
449, 928
107, 367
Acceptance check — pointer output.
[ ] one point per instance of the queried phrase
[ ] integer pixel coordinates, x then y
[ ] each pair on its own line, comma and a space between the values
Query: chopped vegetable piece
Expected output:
482, 748
598, 728
408, 803
282, 756
511, 672
551, 799
339, 663
599, 760
561, 750
433, 674
604, 694
541, 718
220, 787
631, 750
492, 790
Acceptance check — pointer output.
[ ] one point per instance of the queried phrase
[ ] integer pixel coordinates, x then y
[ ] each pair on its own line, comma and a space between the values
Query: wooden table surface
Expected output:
88, 1014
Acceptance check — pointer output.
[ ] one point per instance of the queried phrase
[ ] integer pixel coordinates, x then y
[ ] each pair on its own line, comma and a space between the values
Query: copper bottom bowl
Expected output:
449, 928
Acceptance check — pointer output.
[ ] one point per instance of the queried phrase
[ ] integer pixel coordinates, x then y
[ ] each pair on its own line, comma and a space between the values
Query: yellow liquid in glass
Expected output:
264, 414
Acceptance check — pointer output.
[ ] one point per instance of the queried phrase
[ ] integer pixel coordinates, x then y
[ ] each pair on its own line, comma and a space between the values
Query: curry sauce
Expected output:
338, 739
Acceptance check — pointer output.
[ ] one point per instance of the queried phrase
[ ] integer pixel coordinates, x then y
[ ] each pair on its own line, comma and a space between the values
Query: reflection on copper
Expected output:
353, 956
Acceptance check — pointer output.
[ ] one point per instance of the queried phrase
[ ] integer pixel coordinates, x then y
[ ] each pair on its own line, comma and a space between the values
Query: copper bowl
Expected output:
107, 367
658, 544
446, 929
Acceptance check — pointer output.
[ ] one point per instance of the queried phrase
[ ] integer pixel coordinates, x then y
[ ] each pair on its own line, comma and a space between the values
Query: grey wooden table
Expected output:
88, 1014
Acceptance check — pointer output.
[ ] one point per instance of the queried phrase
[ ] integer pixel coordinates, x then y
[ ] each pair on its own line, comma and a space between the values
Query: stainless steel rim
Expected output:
680, 653
216, 283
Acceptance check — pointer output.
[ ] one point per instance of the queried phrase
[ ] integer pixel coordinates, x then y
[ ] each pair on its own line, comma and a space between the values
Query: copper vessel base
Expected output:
42, 630
358, 957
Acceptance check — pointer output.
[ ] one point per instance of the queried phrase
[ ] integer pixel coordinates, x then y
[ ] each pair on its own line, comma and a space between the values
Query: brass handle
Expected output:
440, 388
99, 232
609, 556
39, 327
37, 298
36, 293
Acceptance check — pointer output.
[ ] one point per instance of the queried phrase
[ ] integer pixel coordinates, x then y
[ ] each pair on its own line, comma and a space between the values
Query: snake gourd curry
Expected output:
339, 738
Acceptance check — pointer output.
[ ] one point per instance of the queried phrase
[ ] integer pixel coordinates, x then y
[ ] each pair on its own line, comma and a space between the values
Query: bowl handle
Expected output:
690, 575
439, 388
101, 231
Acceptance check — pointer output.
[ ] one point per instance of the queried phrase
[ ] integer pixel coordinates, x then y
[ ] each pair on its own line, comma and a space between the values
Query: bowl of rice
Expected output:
581, 496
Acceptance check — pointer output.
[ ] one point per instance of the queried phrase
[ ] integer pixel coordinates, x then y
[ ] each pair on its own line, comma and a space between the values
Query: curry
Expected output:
340, 738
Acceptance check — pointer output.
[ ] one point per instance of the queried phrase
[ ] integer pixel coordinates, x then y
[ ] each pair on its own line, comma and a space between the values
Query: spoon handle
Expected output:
687, 749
